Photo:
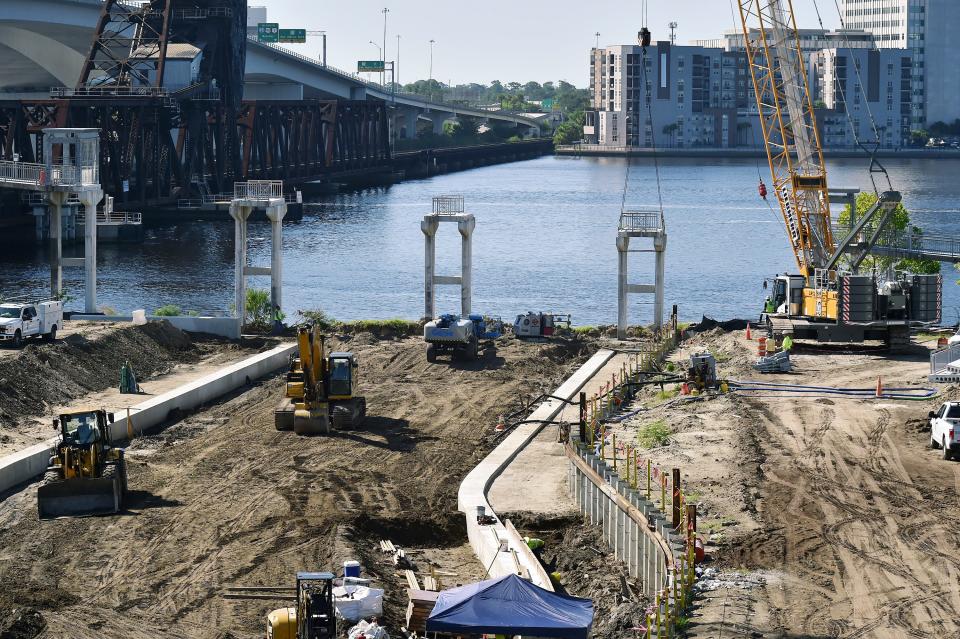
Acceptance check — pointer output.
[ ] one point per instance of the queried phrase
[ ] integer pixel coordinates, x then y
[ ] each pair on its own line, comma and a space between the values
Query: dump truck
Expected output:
461, 337
320, 389
86, 474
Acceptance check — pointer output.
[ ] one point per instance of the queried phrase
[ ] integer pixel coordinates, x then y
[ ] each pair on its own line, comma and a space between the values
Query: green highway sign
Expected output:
268, 32
369, 66
293, 35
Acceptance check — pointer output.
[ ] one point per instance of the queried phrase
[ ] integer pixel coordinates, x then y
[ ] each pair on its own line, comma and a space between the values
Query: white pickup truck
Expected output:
20, 321
945, 429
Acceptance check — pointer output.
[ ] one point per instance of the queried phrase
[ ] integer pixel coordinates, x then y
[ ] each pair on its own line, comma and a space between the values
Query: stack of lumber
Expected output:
420, 606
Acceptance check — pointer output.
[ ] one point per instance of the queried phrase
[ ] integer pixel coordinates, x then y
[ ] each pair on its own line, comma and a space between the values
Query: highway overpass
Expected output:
43, 44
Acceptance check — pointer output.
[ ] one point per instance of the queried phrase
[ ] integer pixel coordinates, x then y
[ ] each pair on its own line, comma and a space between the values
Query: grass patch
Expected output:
584, 330
654, 434
398, 326
720, 356
667, 393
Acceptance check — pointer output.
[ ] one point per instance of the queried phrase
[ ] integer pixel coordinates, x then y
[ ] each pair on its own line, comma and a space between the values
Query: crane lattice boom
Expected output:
789, 128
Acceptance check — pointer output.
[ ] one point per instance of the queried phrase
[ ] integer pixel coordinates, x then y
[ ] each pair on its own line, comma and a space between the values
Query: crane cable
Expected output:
874, 162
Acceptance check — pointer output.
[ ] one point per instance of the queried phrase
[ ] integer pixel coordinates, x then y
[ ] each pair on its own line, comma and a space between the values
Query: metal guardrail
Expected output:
940, 359
123, 217
109, 91
40, 175
641, 221
448, 205
906, 243
258, 190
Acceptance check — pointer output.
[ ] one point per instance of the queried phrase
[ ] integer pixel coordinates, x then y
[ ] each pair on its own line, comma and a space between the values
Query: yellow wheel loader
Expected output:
320, 389
86, 474
314, 617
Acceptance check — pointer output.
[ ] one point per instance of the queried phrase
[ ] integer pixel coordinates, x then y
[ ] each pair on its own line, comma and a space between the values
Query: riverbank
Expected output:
596, 150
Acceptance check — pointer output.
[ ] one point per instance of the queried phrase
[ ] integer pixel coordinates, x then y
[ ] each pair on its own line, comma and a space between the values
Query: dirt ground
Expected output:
826, 516
83, 368
222, 499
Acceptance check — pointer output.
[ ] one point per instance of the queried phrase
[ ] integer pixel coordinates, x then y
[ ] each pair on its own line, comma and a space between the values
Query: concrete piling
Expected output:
447, 208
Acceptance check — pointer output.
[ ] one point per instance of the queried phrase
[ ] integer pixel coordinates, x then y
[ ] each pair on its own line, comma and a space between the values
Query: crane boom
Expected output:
790, 135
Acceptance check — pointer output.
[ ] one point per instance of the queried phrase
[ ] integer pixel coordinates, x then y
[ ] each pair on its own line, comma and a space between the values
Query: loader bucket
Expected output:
79, 497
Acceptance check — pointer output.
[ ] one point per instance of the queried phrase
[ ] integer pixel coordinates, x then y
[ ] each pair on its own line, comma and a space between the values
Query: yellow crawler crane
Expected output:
818, 302
320, 389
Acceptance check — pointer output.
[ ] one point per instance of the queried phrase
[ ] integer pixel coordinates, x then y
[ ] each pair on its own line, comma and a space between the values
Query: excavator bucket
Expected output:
79, 497
311, 422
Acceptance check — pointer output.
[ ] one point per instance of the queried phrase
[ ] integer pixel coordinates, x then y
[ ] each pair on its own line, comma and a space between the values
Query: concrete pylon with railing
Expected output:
248, 196
640, 224
447, 208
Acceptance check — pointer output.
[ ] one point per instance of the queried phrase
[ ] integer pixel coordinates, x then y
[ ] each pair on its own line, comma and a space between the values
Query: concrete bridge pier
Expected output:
89, 201
240, 214
275, 213
56, 200
640, 224
448, 209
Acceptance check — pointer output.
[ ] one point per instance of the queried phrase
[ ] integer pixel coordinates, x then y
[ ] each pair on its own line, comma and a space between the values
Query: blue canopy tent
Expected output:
510, 606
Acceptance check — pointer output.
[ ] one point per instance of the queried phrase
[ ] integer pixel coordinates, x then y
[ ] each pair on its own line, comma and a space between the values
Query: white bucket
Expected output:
139, 317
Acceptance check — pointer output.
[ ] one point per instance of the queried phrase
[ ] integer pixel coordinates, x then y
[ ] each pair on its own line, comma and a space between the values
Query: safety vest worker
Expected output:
769, 307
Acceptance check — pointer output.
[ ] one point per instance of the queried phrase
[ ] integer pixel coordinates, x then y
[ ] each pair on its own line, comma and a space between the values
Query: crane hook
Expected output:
763, 190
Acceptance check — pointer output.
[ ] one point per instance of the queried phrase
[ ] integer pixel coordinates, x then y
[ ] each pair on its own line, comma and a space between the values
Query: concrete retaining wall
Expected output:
498, 545
25, 465
223, 326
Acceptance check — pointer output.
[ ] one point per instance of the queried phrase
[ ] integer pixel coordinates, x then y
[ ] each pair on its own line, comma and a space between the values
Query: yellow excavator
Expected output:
320, 389
314, 616
87, 474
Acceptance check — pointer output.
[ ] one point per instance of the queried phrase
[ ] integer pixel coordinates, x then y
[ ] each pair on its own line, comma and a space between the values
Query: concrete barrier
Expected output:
496, 545
223, 326
23, 466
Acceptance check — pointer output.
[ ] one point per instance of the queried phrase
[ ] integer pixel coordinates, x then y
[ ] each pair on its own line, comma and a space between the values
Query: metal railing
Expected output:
258, 190
121, 217
650, 221
907, 243
448, 205
109, 91
940, 359
40, 175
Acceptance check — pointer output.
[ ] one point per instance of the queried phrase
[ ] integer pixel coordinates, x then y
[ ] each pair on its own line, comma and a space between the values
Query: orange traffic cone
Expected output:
501, 425
748, 332
879, 387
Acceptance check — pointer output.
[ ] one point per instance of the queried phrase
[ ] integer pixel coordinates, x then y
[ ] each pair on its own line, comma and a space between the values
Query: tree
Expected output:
514, 87
570, 131
517, 103
899, 221
919, 137
939, 129
670, 130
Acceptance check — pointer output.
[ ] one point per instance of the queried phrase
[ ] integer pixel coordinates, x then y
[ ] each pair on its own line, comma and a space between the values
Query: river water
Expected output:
545, 240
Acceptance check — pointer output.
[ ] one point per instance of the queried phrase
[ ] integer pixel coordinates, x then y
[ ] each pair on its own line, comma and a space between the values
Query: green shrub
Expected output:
259, 310
584, 330
168, 310
317, 318
654, 434
398, 326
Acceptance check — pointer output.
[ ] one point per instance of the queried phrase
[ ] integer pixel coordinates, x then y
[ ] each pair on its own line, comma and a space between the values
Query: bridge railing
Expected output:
258, 190
109, 91
40, 175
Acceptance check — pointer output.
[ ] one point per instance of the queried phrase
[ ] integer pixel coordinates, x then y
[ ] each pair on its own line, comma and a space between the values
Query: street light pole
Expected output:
383, 51
379, 53
430, 81
398, 59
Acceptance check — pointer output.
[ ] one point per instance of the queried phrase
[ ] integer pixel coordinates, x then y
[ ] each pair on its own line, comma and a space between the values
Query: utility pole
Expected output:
383, 51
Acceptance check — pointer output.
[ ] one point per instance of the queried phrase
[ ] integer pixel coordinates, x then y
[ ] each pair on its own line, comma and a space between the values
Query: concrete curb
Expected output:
23, 466
487, 541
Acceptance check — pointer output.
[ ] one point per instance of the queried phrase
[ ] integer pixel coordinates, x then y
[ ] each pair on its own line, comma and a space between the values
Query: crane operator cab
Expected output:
787, 294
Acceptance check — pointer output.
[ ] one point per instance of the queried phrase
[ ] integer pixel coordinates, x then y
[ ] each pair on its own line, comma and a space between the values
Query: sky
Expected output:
506, 40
